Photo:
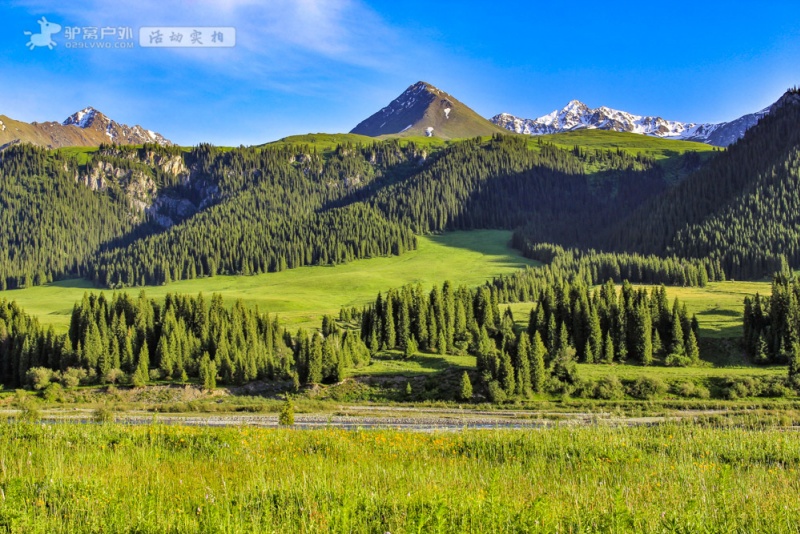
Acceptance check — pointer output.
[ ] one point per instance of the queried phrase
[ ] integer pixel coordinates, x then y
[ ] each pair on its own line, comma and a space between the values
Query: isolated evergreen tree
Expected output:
208, 372
411, 348
608, 349
692, 350
537, 366
522, 364
315, 360
465, 388
286, 417
142, 374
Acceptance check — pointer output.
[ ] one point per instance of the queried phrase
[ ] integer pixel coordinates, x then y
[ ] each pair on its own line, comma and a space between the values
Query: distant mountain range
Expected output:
577, 115
423, 109
87, 127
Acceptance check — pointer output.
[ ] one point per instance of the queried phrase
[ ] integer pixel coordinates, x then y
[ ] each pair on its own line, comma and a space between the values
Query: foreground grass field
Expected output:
302, 296
675, 478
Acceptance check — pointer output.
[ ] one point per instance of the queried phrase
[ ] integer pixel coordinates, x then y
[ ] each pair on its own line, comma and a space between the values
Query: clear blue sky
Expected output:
323, 65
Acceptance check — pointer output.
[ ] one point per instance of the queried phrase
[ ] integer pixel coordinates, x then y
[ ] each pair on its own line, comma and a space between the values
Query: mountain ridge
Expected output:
87, 127
577, 115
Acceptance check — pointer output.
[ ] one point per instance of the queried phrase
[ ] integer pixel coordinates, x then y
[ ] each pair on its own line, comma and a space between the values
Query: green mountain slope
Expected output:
742, 208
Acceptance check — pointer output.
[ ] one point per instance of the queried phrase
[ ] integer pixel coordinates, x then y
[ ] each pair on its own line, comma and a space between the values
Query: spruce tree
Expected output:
692, 350
465, 388
538, 352
608, 349
522, 364
208, 372
142, 374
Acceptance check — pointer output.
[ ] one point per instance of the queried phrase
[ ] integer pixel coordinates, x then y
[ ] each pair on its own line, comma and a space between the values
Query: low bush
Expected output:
646, 388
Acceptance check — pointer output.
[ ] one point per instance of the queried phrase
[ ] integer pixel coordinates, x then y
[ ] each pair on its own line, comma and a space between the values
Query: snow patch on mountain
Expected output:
82, 118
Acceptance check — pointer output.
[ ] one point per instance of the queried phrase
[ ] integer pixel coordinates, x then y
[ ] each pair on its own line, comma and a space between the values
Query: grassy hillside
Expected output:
327, 143
666, 152
303, 295
630, 142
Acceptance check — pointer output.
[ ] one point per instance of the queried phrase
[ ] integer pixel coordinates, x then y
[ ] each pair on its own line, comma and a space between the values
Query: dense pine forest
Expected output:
741, 208
772, 325
135, 340
567, 324
51, 226
163, 214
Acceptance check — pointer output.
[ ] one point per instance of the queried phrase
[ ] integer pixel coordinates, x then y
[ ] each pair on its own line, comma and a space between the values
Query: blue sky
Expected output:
322, 66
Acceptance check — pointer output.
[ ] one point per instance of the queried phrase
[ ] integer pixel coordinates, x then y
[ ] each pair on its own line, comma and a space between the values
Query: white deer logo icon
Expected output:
44, 38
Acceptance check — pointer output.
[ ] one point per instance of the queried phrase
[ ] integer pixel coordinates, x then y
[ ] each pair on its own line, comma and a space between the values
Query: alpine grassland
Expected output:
108, 477
302, 296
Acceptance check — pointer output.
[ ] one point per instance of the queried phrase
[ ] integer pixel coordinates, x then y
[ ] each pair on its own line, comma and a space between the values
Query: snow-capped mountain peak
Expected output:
91, 119
577, 115
82, 118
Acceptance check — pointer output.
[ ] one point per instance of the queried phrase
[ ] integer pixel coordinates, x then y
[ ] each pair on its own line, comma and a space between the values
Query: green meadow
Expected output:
67, 478
302, 296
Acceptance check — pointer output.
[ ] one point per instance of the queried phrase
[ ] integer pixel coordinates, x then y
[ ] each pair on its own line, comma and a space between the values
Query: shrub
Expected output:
286, 417
646, 388
29, 413
674, 359
72, 377
554, 386
103, 415
39, 377
691, 390
609, 388
564, 367
53, 392
582, 389
737, 388
114, 376
777, 387
496, 392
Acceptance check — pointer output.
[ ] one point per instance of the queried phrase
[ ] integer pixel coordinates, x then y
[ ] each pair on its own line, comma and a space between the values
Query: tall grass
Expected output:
113, 478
